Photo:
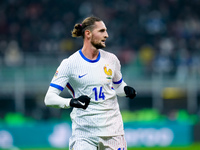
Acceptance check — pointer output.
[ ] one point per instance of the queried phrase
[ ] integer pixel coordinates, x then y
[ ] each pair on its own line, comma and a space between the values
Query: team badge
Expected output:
108, 72
56, 74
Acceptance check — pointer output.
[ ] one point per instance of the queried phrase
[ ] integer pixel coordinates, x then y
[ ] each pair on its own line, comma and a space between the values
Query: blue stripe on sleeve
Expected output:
118, 82
57, 86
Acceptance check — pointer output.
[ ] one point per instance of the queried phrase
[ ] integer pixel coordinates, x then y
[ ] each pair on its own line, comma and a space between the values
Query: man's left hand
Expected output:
130, 92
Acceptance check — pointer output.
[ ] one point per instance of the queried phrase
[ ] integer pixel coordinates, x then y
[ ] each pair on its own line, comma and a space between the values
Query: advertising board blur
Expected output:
150, 135
57, 135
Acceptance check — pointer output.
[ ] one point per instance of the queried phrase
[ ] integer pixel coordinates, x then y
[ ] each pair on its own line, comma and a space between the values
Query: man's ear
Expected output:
88, 34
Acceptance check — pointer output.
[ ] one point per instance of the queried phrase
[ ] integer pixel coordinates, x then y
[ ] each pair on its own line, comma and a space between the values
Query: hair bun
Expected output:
78, 26
77, 30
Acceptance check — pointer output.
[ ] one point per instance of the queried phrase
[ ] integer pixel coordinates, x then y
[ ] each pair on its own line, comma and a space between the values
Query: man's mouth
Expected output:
103, 41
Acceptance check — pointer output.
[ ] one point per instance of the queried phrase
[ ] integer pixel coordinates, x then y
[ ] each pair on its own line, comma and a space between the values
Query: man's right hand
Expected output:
80, 102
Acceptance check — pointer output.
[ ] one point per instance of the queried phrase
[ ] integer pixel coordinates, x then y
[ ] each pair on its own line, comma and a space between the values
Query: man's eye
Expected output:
102, 30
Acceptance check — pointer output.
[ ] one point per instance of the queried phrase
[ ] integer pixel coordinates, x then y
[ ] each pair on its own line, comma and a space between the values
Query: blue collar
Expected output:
91, 61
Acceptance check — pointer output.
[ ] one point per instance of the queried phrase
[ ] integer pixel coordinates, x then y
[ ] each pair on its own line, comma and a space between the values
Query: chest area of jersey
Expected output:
92, 74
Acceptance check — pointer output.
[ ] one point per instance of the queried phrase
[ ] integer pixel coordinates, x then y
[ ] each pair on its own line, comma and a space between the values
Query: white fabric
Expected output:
94, 79
100, 143
119, 89
53, 99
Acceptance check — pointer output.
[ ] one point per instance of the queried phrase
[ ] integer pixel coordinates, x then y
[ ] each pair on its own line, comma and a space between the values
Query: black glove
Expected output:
80, 102
130, 92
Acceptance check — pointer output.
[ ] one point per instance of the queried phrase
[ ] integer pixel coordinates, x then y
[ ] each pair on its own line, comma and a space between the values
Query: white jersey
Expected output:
95, 79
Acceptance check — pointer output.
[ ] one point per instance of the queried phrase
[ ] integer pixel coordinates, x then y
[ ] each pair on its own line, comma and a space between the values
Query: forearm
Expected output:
119, 89
123, 90
52, 99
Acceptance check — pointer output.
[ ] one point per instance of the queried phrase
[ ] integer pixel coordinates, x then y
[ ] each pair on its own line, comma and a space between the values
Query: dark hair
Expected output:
87, 24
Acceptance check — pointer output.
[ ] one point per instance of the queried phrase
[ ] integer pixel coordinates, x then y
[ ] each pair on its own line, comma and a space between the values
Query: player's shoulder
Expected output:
74, 56
67, 62
108, 55
71, 58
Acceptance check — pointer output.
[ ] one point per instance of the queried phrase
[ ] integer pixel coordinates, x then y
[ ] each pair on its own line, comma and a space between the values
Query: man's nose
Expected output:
106, 35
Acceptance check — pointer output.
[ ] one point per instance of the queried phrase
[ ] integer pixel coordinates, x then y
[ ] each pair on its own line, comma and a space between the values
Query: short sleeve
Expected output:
61, 78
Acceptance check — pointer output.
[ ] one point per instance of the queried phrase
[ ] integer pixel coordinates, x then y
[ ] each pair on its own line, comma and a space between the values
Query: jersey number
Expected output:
101, 94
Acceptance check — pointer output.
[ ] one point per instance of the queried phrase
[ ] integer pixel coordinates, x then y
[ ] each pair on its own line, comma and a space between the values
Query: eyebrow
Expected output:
101, 30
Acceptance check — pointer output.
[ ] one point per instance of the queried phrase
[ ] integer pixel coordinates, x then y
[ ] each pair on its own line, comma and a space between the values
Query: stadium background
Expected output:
157, 42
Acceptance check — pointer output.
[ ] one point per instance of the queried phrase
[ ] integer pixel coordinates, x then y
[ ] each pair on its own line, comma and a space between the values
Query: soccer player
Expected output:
93, 78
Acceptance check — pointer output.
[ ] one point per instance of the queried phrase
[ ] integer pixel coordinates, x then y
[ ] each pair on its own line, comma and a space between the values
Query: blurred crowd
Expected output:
159, 36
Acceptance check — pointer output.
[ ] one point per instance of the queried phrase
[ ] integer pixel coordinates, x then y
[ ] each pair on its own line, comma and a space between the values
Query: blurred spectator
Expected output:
13, 57
146, 55
183, 67
154, 23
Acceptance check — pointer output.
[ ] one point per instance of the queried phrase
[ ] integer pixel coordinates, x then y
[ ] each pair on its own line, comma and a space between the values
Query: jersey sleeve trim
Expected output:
57, 86
118, 82
85, 58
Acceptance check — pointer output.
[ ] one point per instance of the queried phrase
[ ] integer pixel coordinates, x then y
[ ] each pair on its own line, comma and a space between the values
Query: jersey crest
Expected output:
108, 72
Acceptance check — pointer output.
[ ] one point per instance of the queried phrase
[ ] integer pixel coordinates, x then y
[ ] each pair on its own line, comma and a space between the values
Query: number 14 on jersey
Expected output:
98, 93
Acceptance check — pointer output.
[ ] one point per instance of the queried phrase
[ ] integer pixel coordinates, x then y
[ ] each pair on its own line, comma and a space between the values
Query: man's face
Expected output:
99, 35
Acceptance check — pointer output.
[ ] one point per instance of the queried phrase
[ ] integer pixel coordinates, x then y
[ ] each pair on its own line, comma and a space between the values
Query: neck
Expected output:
90, 52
